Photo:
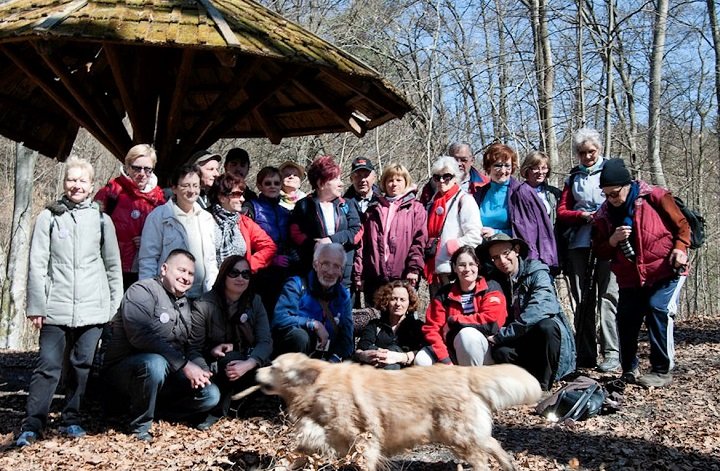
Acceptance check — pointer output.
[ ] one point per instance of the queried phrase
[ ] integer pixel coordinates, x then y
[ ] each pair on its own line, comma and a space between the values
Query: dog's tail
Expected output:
504, 385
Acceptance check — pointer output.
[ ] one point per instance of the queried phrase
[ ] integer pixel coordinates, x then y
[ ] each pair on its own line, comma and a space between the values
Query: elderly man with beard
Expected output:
147, 356
314, 314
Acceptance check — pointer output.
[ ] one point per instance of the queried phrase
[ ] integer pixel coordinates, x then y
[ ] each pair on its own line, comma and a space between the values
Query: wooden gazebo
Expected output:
177, 73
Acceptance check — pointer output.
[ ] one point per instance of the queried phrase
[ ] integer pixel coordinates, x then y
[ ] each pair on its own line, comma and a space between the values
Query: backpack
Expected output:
696, 222
578, 400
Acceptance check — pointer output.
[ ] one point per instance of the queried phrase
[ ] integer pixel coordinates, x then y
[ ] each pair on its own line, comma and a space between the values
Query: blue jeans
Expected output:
56, 341
656, 305
152, 388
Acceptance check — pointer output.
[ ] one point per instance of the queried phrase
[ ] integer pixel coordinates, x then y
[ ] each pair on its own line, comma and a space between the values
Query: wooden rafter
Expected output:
97, 107
113, 57
370, 92
66, 103
340, 112
268, 125
167, 129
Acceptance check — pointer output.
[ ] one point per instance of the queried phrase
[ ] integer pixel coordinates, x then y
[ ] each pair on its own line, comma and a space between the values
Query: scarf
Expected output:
438, 211
623, 215
228, 240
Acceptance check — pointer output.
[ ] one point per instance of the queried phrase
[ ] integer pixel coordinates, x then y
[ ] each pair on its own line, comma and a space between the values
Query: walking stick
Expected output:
585, 330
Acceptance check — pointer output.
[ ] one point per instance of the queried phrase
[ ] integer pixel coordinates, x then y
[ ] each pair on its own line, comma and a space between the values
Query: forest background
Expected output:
646, 74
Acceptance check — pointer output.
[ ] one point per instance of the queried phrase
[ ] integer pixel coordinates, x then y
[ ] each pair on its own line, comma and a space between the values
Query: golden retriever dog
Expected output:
382, 413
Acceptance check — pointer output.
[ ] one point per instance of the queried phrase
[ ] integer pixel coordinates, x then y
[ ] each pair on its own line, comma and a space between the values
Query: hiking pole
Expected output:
585, 335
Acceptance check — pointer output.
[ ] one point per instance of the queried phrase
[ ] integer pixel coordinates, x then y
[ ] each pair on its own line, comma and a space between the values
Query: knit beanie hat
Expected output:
614, 173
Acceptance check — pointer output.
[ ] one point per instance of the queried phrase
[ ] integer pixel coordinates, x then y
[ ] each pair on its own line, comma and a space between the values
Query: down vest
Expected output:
74, 276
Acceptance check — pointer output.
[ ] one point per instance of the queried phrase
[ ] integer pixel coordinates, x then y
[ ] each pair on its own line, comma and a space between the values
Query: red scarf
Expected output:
435, 223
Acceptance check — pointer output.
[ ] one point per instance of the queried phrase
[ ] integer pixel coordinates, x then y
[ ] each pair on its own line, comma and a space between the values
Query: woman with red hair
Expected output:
324, 216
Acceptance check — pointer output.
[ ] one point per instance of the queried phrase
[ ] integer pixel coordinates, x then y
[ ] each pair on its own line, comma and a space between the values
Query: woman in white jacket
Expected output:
181, 224
74, 287
453, 221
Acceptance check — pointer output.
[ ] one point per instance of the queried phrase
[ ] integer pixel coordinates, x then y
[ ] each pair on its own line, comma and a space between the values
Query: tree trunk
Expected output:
609, 88
580, 68
13, 327
712, 12
657, 174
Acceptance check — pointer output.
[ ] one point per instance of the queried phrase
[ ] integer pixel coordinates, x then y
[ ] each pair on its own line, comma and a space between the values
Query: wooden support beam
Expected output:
95, 106
366, 88
338, 110
113, 57
48, 85
268, 125
167, 130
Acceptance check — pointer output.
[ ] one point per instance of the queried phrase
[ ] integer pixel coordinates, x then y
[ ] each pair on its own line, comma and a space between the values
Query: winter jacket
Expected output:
163, 233
658, 227
531, 298
550, 197
307, 224
445, 317
581, 193
214, 324
529, 221
272, 218
406, 241
408, 336
477, 181
352, 194
74, 276
260, 247
299, 303
128, 206
462, 227
150, 320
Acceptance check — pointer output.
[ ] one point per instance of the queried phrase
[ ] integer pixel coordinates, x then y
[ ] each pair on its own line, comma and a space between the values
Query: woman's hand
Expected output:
136, 241
221, 350
487, 232
37, 321
324, 240
588, 216
237, 369
383, 357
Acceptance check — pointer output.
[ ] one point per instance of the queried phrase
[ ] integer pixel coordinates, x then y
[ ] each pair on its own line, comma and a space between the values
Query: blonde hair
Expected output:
534, 159
392, 170
138, 151
82, 164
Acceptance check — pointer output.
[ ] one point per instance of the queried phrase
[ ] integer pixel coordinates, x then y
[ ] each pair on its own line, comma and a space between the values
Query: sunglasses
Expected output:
234, 273
235, 194
446, 177
138, 169
613, 194
271, 183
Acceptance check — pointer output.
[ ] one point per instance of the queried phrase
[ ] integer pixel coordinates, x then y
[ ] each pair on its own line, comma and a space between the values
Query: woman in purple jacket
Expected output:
394, 235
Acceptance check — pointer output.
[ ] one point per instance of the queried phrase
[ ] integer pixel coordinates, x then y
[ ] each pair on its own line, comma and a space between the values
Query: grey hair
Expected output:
84, 165
445, 162
332, 248
457, 146
584, 135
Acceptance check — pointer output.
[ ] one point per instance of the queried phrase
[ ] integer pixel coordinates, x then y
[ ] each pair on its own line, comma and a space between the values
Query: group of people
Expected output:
218, 279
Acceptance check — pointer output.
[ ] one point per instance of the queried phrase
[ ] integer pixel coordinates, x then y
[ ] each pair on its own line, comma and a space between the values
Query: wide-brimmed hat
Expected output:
295, 165
202, 156
483, 250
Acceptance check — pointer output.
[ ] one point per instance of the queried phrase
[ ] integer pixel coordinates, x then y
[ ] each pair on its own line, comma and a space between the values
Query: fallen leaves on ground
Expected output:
674, 428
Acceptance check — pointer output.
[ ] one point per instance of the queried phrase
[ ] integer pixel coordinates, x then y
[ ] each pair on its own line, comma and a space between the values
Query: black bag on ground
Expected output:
577, 400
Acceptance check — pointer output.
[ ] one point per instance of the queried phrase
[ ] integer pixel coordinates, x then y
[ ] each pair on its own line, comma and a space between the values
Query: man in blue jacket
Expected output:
537, 335
314, 314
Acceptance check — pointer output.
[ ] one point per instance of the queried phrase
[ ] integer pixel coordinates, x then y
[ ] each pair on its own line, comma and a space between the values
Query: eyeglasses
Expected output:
504, 254
234, 273
500, 166
539, 169
330, 265
613, 194
189, 186
271, 183
235, 194
446, 177
138, 169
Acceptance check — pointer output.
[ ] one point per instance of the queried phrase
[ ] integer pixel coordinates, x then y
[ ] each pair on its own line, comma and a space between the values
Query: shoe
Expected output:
609, 365
72, 431
630, 377
143, 436
655, 380
209, 421
26, 438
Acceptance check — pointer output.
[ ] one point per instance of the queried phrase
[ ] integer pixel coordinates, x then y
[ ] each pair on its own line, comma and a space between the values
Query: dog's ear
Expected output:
304, 376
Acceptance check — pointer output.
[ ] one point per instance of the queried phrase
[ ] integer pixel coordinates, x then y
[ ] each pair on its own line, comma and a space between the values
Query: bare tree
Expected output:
656, 63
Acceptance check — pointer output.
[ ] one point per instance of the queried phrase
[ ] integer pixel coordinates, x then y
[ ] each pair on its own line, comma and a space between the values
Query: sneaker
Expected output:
26, 438
72, 431
209, 421
608, 365
655, 380
143, 436
630, 377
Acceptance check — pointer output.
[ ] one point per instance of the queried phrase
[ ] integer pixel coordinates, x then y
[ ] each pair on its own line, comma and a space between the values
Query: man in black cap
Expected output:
237, 163
363, 189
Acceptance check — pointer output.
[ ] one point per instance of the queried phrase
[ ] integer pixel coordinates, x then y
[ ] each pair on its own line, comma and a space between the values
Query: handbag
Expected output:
577, 400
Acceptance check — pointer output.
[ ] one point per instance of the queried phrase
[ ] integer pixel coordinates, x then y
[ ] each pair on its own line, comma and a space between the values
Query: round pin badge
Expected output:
135, 214
164, 317
440, 210
244, 317
63, 233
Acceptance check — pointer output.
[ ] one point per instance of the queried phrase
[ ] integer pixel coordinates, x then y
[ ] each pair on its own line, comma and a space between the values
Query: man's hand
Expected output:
621, 233
322, 334
236, 369
37, 321
678, 258
413, 278
324, 240
221, 350
198, 377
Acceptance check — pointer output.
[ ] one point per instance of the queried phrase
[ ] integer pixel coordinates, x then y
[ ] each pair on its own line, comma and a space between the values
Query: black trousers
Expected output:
538, 351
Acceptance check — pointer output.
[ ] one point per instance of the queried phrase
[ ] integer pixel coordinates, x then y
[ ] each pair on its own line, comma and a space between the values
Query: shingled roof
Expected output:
185, 73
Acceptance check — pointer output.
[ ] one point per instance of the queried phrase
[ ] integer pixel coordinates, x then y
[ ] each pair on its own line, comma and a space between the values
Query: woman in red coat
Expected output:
128, 199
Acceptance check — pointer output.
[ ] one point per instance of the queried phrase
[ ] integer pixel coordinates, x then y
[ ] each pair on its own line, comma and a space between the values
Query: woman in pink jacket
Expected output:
394, 235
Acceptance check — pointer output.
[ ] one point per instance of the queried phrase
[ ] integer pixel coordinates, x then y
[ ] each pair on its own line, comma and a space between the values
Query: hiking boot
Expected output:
26, 438
143, 436
209, 421
72, 431
630, 377
610, 364
655, 380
